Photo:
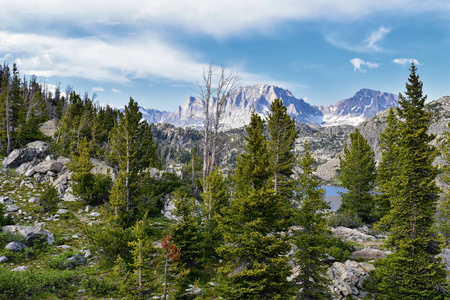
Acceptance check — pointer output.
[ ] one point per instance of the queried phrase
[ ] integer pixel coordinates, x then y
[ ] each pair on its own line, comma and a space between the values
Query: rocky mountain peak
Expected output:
239, 106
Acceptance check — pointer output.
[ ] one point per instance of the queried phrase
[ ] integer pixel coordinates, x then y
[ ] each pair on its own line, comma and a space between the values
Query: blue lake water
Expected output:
331, 195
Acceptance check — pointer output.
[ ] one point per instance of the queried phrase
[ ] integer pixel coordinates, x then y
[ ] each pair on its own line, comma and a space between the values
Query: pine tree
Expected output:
132, 149
413, 271
214, 201
138, 276
388, 167
251, 226
187, 229
311, 240
252, 166
282, 133
358, 177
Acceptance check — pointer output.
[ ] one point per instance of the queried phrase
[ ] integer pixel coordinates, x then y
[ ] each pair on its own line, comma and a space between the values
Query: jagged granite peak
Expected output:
239, 106
364, 105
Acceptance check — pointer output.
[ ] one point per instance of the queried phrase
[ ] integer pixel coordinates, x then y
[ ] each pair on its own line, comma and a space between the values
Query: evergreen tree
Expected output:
388, 167
252, 166
281, 133
413, 271
251, 227
138, 276
132, 149
312, 238
358, 177
91, 188
214, 201
187, 230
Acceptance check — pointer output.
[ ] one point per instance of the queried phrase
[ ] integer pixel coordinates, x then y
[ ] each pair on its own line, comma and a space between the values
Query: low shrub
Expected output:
20, 285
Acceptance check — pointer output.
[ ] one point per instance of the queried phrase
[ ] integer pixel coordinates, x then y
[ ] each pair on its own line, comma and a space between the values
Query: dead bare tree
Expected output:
215, 91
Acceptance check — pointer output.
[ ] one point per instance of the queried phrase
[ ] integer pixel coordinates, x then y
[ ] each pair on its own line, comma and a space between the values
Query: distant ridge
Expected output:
364, 104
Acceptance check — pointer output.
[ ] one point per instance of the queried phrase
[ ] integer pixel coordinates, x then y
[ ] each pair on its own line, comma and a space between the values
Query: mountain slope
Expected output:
238, 108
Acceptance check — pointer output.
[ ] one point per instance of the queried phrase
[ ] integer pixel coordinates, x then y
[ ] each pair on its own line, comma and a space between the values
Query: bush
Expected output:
49, 197
339, 249
20, 285
60, 262
345, 219
99, 286
91, 188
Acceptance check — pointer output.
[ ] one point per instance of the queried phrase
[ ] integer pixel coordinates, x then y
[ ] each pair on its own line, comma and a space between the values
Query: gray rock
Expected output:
5, 200
346, 278
80, 211
69, 197
87, 254
20, 269
23, 168
11, 208
62, 211
51, 174
29, 173
31, 233
49, 128
75, 260
48, 165
95, 214
15, 246
3, 259
370, 253
33, 200
75, 236
34, 150
81, 291
88, 208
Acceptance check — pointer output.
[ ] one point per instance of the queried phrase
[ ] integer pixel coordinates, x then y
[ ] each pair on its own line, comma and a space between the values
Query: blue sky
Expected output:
154, 51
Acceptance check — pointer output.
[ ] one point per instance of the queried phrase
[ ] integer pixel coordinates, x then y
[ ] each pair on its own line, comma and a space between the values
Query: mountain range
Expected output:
363, 105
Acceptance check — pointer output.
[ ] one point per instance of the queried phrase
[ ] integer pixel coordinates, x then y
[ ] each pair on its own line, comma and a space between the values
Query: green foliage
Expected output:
251, 227
346, 219
215, 199
90, 188
388, 167
281, 138
5, 220
187, 231
358, 177
137, 276
311, 240
21, 285
49, 197
108, 242
252, 166
339, 249
99, 286
60, 262
132, 150
413, 271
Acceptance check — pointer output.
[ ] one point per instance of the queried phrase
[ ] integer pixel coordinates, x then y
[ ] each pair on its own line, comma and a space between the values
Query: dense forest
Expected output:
261, 232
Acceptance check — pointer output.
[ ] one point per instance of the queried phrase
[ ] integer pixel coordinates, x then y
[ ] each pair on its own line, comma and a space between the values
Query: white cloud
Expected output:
375, 37
370, 44
214, 18
98, 89
116, 91
405, 61
358, 63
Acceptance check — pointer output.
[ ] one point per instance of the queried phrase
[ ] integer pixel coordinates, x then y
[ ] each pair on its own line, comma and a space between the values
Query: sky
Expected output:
155, 51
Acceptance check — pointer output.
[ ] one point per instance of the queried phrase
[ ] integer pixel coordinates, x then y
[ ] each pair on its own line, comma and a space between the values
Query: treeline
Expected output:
26, 103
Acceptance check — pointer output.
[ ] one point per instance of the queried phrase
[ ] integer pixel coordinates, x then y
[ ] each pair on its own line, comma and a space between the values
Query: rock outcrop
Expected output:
31, 234
347, 278
33, 151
